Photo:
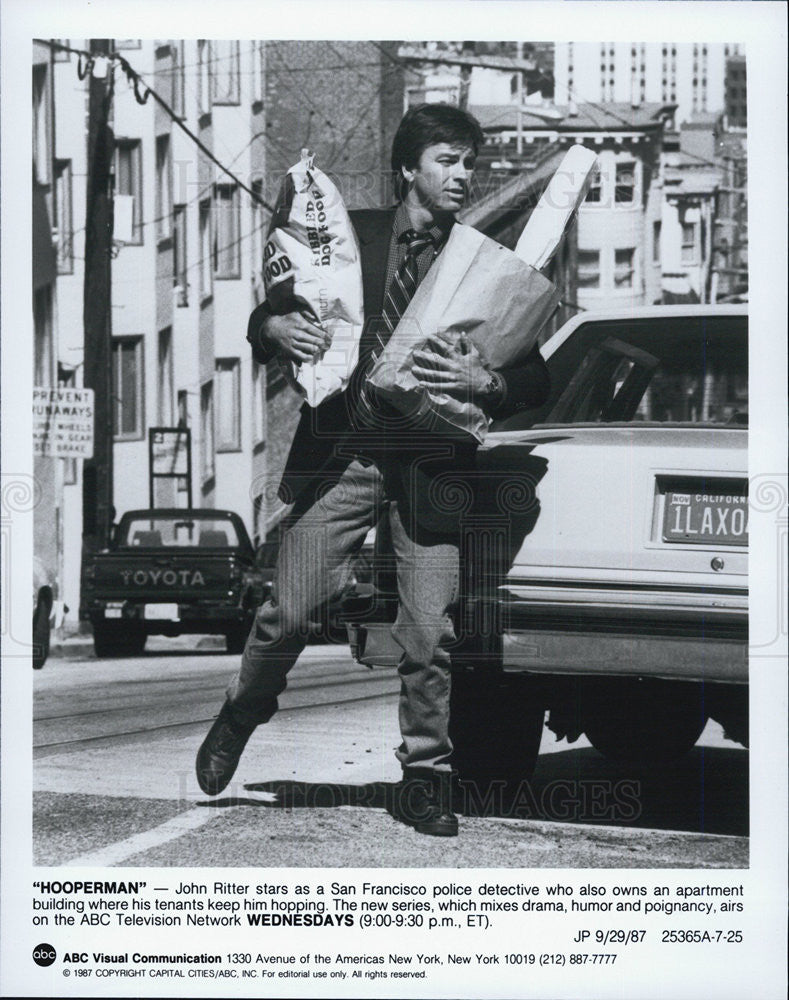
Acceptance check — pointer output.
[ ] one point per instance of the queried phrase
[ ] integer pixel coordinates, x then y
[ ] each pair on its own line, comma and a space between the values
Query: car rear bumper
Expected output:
191, 618
702, 649
692, 658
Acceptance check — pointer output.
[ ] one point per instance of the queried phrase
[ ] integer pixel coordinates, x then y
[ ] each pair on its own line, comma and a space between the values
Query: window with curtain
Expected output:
625, 184
227, 249
164, 187
690, 239
65, 220
127, 388
165, 378
128, 180
225, 72
204, 75
180, 266
207, 449
227, 380
588, 268
624, 267
206, 270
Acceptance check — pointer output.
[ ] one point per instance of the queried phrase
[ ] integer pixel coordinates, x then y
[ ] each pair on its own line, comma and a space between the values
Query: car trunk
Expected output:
623, 505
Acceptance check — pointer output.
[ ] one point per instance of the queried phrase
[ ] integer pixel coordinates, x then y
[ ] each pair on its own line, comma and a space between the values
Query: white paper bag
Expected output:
559, 202
476, 287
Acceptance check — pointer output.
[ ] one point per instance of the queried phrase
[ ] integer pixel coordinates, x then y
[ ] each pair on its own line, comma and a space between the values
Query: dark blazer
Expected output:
325, 439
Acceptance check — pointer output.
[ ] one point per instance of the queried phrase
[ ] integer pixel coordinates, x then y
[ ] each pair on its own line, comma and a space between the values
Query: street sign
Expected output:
62, 422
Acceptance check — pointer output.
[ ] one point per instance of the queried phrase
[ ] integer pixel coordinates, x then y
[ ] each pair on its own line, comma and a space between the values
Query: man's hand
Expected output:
293, 336
457, 368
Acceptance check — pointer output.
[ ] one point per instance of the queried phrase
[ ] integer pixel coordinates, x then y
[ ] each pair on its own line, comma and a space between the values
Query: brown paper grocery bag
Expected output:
478, 287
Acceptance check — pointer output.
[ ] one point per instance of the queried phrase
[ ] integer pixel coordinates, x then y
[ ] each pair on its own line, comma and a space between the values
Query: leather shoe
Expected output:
424, 801
219, 754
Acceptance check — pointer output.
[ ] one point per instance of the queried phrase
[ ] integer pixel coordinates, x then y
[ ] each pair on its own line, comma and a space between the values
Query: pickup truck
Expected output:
169, 572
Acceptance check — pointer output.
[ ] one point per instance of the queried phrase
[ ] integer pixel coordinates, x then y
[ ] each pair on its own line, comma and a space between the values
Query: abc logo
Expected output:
44, 955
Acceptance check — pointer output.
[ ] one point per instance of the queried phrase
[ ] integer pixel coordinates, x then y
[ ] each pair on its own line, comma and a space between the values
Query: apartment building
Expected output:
187, 254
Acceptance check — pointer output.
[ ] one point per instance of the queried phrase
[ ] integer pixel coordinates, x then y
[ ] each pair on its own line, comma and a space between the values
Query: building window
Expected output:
165, 377
164, 187
224, 57
625, 185
690, 233
41, 150
228, 404
127, 388
204, 76
207, 454
656, 248
594, 194
65, 219
183, 408
180, 281
177, 81
128, 180
66, 380
44, 372
258, 230
206, 273
227, 250
588, 268
258, 403
623, 267
258, 72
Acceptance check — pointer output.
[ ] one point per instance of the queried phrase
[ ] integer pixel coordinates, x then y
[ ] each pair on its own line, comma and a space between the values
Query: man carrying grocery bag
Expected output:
357, 452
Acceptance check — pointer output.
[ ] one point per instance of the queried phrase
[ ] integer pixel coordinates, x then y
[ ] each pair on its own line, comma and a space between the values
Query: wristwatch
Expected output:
496, 389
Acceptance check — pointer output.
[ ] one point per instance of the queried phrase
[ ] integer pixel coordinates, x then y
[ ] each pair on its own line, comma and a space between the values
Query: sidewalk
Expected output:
78, 646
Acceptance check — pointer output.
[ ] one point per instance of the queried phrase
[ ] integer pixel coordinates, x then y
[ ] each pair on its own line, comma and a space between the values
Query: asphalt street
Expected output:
114, 747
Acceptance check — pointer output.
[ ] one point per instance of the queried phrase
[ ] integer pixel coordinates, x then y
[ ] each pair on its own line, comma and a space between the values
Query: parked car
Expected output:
607, 555
172, 571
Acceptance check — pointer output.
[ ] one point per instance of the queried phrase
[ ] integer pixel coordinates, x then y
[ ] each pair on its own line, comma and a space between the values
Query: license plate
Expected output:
112, 612
705, 518
168, 612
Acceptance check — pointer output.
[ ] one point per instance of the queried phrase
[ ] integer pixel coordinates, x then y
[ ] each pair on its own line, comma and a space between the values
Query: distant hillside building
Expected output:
690, 75
736, 92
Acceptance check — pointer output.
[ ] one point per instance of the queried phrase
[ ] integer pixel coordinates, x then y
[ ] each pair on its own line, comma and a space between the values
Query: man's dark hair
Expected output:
428, 124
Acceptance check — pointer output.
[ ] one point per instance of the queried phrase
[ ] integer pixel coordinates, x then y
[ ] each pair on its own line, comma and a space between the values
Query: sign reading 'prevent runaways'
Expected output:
63, 422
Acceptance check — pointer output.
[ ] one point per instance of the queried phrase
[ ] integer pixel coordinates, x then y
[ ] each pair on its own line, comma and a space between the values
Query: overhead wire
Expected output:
138, 80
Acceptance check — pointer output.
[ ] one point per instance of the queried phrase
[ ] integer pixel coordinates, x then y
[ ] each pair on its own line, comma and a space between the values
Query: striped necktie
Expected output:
398, 295
406, 278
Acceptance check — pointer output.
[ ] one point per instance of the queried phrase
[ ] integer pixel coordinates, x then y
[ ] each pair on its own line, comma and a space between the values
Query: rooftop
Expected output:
611, 117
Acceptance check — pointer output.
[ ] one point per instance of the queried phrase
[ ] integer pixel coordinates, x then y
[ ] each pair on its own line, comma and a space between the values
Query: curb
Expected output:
69, 648
81, 646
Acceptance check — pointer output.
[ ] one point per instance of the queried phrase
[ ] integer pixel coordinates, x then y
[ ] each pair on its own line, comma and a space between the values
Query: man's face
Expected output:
440, 181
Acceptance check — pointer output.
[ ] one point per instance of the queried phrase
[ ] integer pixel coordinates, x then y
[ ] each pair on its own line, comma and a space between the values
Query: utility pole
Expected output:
97, 316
